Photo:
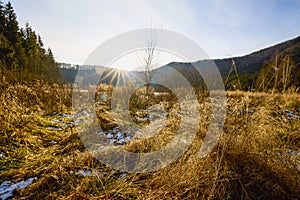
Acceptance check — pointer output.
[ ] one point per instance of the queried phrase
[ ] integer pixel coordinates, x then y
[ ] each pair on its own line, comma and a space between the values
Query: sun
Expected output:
115, 76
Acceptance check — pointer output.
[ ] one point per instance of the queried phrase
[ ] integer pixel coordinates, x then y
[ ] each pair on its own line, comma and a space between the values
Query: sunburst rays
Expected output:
121, 77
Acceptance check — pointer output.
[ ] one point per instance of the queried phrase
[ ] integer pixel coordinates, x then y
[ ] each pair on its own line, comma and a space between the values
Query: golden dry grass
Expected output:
254, 159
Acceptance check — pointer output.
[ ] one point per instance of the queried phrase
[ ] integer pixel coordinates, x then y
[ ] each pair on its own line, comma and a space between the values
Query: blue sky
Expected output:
74, 28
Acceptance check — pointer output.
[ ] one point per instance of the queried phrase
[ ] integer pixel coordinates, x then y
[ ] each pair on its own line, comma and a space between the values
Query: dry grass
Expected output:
253, 159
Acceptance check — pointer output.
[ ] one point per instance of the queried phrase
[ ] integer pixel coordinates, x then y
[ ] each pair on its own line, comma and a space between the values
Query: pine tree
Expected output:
6, 50
22, 50
2, 18
11, 32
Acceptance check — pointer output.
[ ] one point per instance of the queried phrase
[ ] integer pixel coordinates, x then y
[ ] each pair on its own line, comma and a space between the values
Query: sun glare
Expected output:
134, 61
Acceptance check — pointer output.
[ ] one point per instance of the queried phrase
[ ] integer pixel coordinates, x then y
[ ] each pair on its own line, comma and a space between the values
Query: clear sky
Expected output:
74, 28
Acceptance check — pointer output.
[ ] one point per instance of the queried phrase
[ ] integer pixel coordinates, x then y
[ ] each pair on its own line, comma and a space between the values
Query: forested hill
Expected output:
22, 52
256, 67
253, 62
255, 71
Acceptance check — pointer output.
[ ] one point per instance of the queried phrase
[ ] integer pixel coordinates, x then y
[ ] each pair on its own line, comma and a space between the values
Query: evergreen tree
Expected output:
22, 50
12, 33
6, 50
2, 18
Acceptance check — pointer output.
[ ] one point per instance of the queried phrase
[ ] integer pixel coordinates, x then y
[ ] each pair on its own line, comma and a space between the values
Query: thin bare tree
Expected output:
148, 57
233, 68
287, 67
265, 79
275, 67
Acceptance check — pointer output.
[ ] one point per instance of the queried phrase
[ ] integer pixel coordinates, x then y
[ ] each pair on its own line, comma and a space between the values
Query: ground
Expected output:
257, 156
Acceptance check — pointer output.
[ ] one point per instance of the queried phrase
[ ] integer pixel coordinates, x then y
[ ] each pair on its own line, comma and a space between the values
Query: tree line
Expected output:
22, 52
278, 75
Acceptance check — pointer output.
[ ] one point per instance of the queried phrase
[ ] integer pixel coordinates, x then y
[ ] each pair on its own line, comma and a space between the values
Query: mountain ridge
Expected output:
247, 65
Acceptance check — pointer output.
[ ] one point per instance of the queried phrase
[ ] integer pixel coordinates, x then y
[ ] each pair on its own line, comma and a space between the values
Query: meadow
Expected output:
257, 155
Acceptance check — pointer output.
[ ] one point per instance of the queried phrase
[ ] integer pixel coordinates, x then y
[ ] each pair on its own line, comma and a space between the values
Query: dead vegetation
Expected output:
257, 156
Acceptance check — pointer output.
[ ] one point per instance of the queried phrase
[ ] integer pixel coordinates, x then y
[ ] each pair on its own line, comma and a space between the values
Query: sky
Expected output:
223, 28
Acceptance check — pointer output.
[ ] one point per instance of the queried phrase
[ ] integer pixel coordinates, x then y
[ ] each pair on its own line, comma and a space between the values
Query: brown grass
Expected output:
252, 160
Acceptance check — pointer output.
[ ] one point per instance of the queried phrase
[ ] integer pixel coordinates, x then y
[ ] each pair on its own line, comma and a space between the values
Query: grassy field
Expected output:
257, 156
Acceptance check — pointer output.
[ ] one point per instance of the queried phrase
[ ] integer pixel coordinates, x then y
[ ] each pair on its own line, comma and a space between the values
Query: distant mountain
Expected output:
253, 62
248, 65
87, 74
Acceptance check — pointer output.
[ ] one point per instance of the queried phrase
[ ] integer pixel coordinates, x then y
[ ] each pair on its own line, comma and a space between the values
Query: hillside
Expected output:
252, 63
87, 75
248, 66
